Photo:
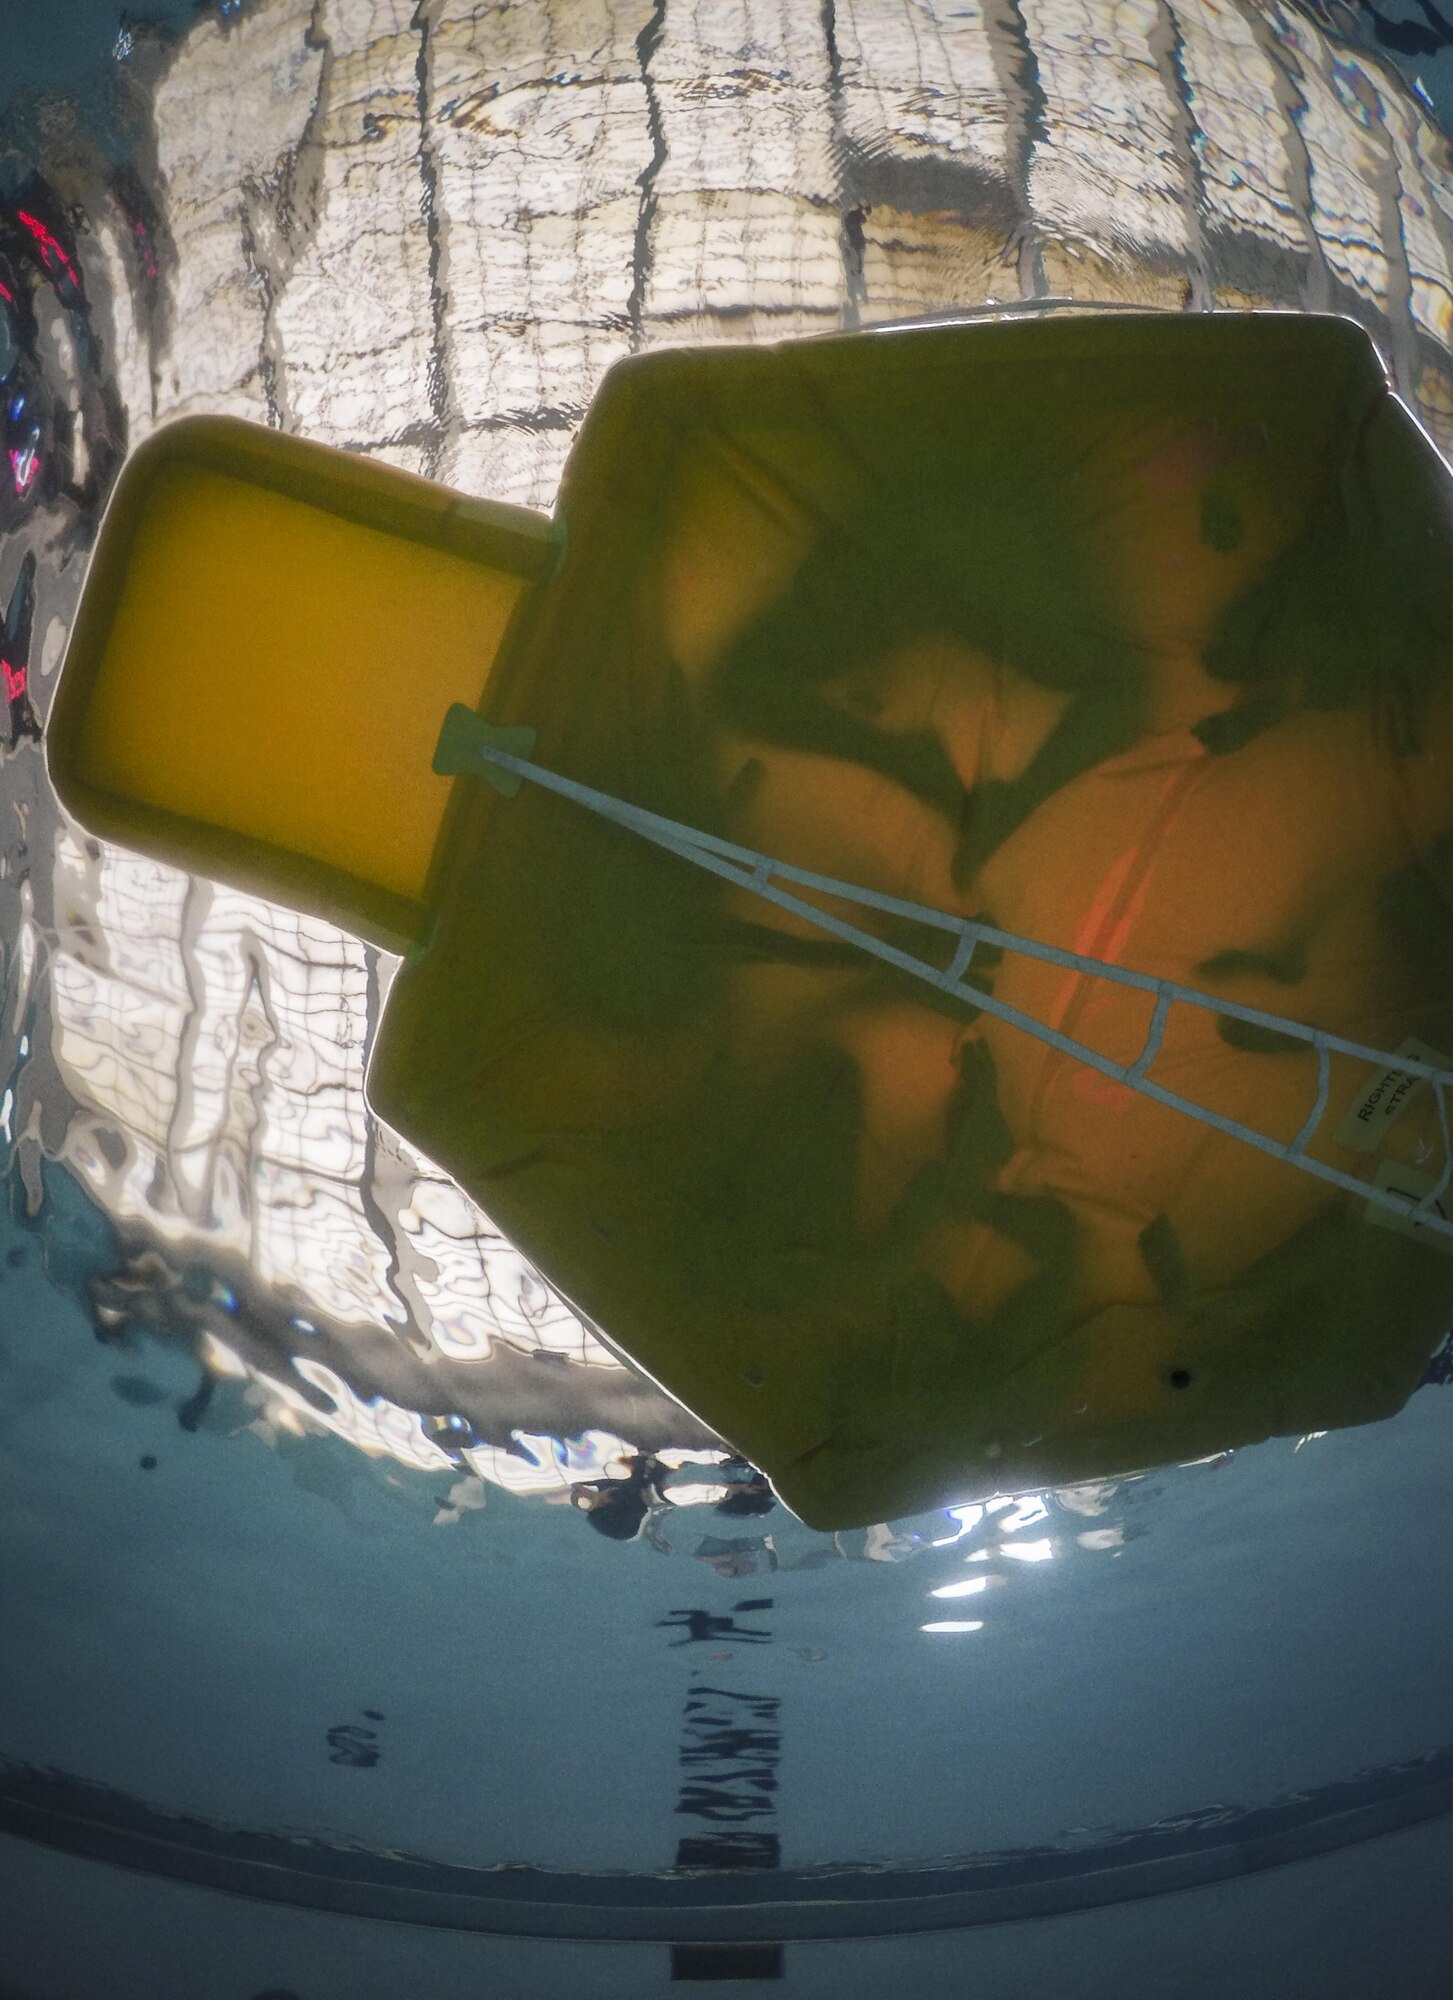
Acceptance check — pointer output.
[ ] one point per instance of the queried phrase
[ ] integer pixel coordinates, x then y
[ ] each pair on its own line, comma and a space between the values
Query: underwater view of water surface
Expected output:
369, 1624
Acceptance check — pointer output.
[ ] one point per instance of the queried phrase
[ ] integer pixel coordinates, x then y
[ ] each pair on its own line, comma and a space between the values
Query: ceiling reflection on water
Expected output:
426, 239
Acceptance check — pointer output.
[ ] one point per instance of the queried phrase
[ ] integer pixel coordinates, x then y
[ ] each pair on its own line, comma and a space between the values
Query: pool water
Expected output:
370, 1626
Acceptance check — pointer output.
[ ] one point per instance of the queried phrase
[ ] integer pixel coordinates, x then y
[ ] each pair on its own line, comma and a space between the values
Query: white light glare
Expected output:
1028, 1552
971, 1586
1028, 1513
968, 1519
954, 1625
698, 1493
220, 1358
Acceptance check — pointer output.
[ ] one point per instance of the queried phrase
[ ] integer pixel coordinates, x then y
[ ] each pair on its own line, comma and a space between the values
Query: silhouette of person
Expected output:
618, 1508
752, 1495
702, 1627
15, 638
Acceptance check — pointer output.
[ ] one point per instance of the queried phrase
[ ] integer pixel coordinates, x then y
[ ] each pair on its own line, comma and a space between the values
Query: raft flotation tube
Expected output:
931, 916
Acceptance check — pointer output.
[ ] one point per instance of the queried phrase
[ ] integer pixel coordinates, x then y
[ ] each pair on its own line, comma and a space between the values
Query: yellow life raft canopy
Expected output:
951, 966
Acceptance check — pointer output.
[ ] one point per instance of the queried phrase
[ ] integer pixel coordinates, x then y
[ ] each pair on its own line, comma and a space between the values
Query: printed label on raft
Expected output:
1368, 1121
1400, 1179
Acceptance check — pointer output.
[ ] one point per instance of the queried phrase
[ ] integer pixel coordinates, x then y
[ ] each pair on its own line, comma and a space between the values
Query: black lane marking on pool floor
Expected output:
731, 1745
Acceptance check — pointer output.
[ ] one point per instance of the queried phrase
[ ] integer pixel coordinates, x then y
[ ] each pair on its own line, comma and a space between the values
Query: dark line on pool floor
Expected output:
94, 1822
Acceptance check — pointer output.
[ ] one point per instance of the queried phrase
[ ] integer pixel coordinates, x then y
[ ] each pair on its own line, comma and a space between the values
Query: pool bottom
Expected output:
709, 1907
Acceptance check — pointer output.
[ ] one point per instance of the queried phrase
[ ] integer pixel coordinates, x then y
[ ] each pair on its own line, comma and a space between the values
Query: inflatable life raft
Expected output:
926, 887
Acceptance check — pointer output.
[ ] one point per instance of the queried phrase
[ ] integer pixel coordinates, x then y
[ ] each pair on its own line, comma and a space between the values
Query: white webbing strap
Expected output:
468, 744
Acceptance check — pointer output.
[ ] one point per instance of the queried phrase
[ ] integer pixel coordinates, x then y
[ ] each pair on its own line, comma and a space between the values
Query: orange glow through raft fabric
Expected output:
1126, 636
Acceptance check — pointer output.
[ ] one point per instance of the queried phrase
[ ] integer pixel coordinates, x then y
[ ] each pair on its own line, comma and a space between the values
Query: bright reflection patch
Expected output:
968, 1519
